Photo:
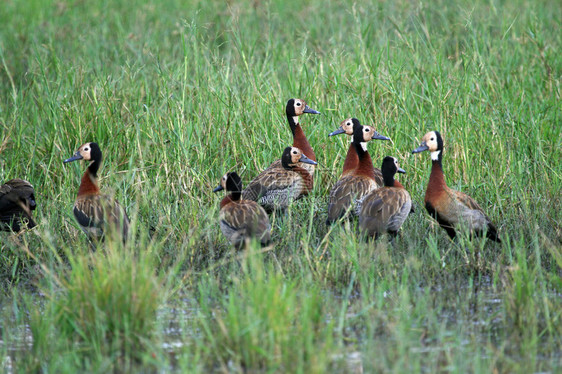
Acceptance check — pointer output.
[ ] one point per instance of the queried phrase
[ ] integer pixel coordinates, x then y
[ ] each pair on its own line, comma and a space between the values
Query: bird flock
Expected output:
373, 196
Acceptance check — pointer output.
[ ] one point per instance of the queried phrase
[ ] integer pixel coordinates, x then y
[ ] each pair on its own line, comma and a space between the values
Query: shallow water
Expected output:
481, 319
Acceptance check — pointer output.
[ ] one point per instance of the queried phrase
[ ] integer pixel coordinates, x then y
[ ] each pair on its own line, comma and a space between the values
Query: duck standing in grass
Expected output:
97, 214
241, 220
351, 159
294, 109
450, 208
17, 200
276, 188
385, 209
359, 177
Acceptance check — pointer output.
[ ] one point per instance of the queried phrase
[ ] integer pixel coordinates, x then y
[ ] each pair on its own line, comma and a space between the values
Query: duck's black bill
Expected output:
378, 136
307, 109
421, 148
76, 157
306, 160
337, 132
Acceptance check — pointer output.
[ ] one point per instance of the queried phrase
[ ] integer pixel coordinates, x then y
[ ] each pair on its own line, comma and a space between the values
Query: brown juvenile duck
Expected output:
17, 200
96, 213
385, 209
277, 188
241, 220
354, 185
449, 207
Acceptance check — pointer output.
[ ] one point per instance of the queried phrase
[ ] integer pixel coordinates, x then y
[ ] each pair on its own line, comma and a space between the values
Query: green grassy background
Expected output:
179, 92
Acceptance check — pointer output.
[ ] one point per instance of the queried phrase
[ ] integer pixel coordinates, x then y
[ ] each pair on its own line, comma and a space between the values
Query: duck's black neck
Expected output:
361, 152
293, 122
388, 179
94, 167
235, 195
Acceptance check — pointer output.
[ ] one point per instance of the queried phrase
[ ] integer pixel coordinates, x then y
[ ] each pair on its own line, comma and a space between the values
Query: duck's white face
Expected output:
432, 144
85, 151
347, 126
430, 140
368, 133
223, 181
296, 154
299, 106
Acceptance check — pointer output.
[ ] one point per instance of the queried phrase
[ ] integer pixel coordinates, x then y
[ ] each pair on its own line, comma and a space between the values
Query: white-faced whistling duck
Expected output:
96, 213
276, 188
385, 209
241, 220
356, 183
449, 207
17, 200
351, 159
294, 109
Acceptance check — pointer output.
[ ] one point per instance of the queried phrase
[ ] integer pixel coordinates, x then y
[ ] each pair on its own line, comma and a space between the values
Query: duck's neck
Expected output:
388, 180
351, 160
397, 184
436, 178
230, 198
299, 138
89, 184
365, 163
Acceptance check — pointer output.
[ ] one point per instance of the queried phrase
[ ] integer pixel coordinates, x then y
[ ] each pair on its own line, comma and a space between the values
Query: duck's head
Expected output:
297, 107
230, 182
293, 155
390, 166
432, 142
346, 127
87, 152
363, 134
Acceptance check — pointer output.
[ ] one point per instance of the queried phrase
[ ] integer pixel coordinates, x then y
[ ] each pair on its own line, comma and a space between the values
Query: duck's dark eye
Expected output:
86, 149
298, 104
432, 139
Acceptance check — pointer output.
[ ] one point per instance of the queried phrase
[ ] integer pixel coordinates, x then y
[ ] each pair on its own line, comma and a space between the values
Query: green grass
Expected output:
177, 93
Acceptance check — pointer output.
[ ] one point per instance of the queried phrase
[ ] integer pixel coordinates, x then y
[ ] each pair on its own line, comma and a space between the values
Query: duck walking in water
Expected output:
97, 214
276, 188
359, 176
241, 220
294, 109
450, 208
385, 209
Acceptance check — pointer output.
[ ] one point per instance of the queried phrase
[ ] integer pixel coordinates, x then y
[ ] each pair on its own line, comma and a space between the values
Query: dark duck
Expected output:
241, 220
17, 200
385, 209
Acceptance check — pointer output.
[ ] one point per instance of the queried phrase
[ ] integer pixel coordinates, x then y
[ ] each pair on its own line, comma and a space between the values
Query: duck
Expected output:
450, 208
294, 109
351, 159
385, 209
17, 200
241, 220
96, 213
355, 183
275, 188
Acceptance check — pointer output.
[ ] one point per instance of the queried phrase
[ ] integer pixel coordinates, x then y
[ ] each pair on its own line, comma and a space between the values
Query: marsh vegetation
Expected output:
177, 93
